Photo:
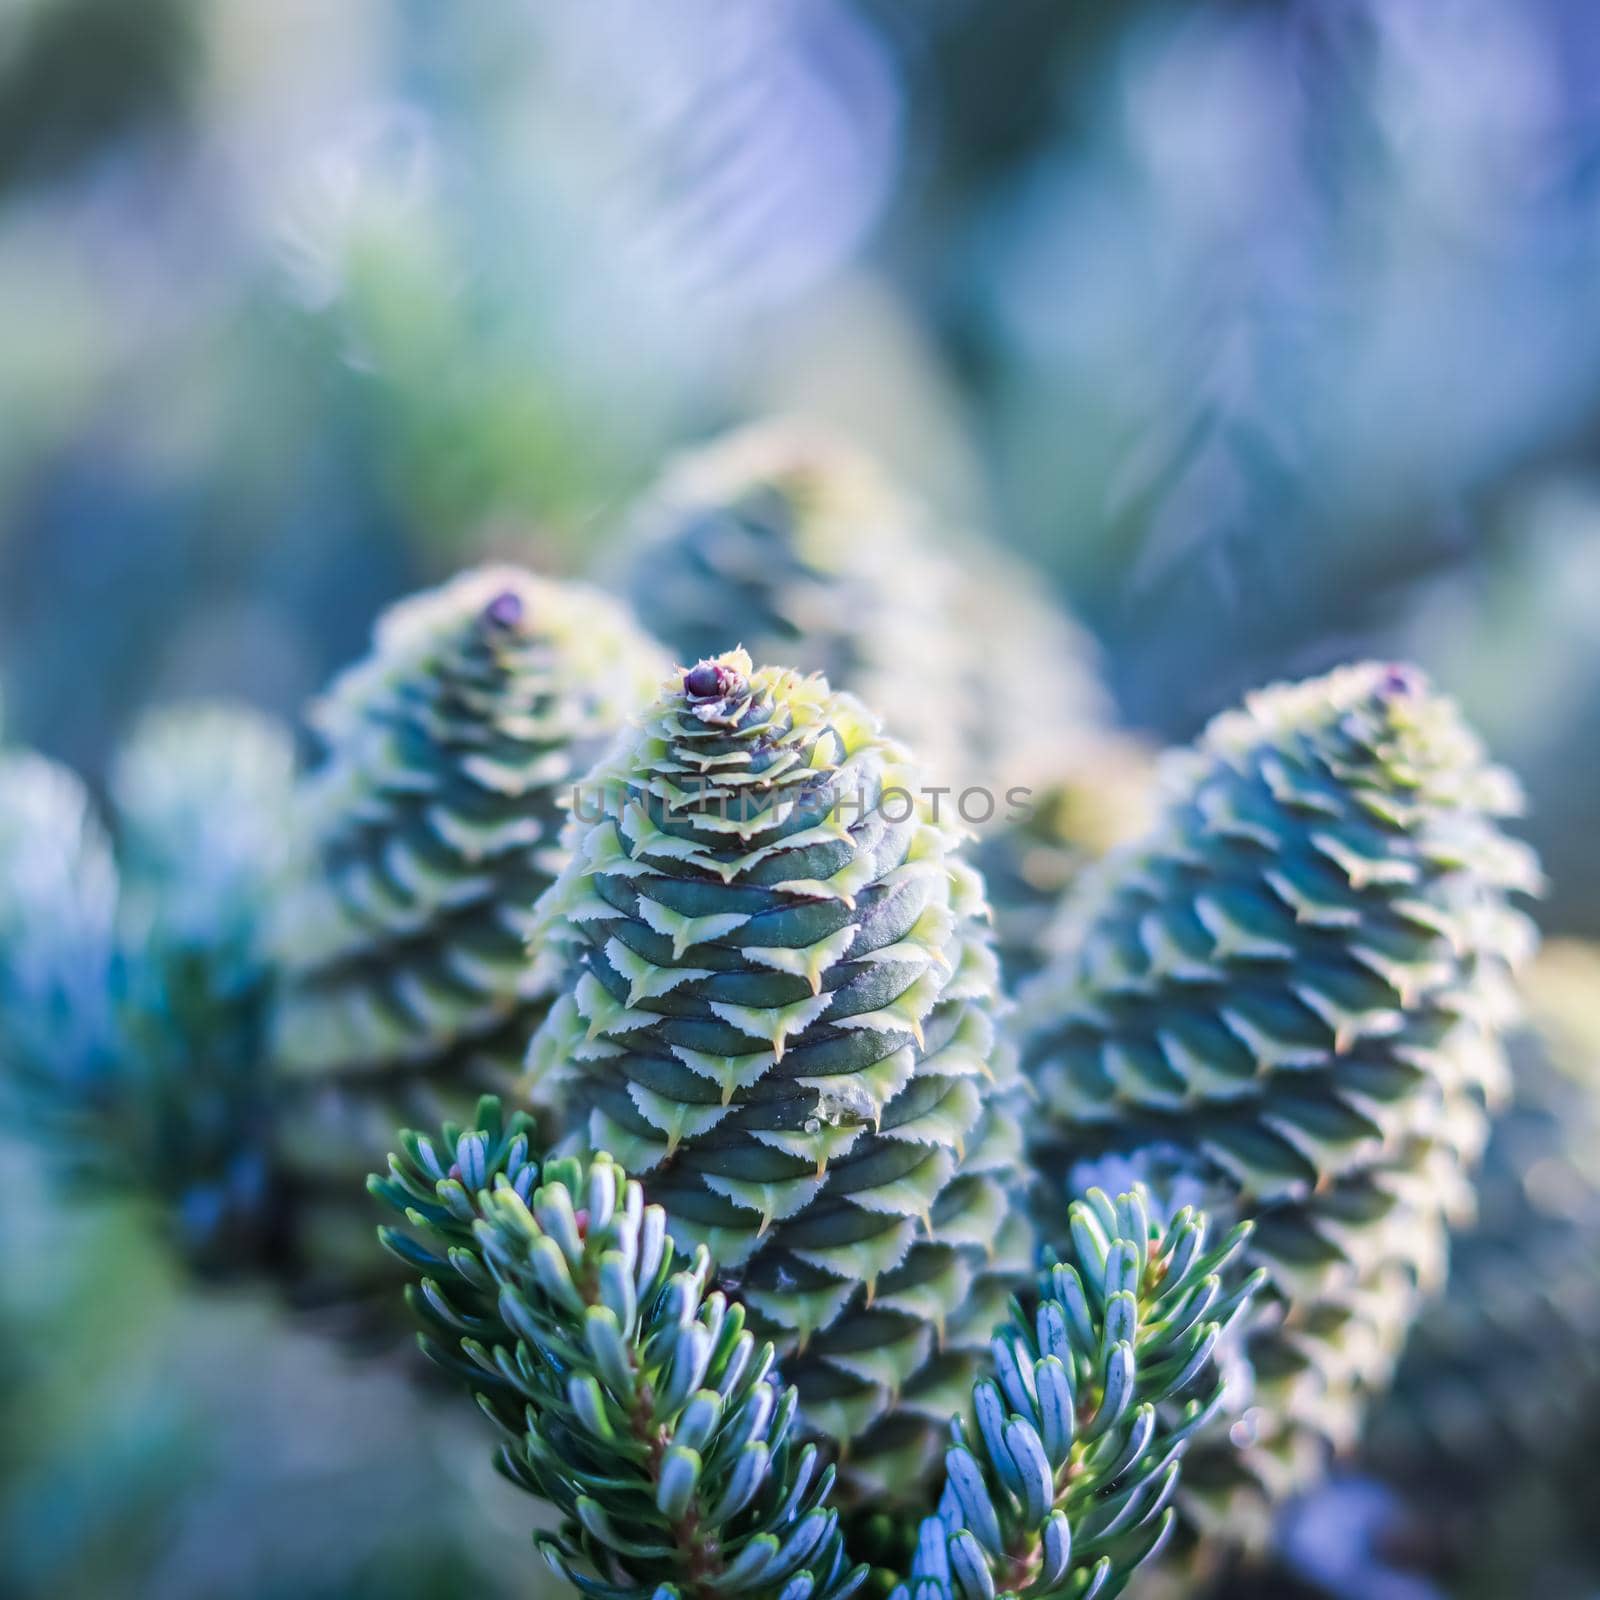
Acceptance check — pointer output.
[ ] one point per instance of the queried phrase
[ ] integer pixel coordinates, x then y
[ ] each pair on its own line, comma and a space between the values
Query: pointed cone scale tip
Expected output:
709, 680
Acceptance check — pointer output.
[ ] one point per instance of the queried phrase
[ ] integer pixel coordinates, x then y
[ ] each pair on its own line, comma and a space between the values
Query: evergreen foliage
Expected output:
203, 801
1061, 1488
632, 1396
137, 981
629, 1392
58, 899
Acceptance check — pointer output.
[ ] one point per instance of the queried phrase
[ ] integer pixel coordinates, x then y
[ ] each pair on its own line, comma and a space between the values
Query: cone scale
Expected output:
780, 1013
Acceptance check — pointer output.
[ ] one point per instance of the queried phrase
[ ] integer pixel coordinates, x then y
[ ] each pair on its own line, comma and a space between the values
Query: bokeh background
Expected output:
1271, 331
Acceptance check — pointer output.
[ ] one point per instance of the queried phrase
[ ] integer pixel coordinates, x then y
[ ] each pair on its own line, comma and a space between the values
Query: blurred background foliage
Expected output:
1270, 330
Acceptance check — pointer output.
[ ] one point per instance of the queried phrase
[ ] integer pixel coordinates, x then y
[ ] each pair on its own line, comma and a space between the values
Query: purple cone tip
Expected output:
1400, 681
505, 610
710, 680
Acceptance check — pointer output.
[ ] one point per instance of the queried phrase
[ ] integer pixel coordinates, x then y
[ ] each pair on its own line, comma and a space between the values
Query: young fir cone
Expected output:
780, 1013
434, 820
1486, 1439
799, 546
1291, 991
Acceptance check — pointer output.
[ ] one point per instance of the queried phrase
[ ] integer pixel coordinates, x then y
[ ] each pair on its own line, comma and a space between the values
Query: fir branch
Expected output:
1063, 1486
203, 798
630, 1393
134, 981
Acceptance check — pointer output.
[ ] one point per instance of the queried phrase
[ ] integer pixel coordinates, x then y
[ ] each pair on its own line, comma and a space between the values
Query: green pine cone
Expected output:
797, 546
434, 824
1291, 991
1503, 1372
780, 1014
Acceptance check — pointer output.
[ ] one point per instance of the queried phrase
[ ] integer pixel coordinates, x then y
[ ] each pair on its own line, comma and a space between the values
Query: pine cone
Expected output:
434, 820
1291, 990
780, 1014
799, 547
